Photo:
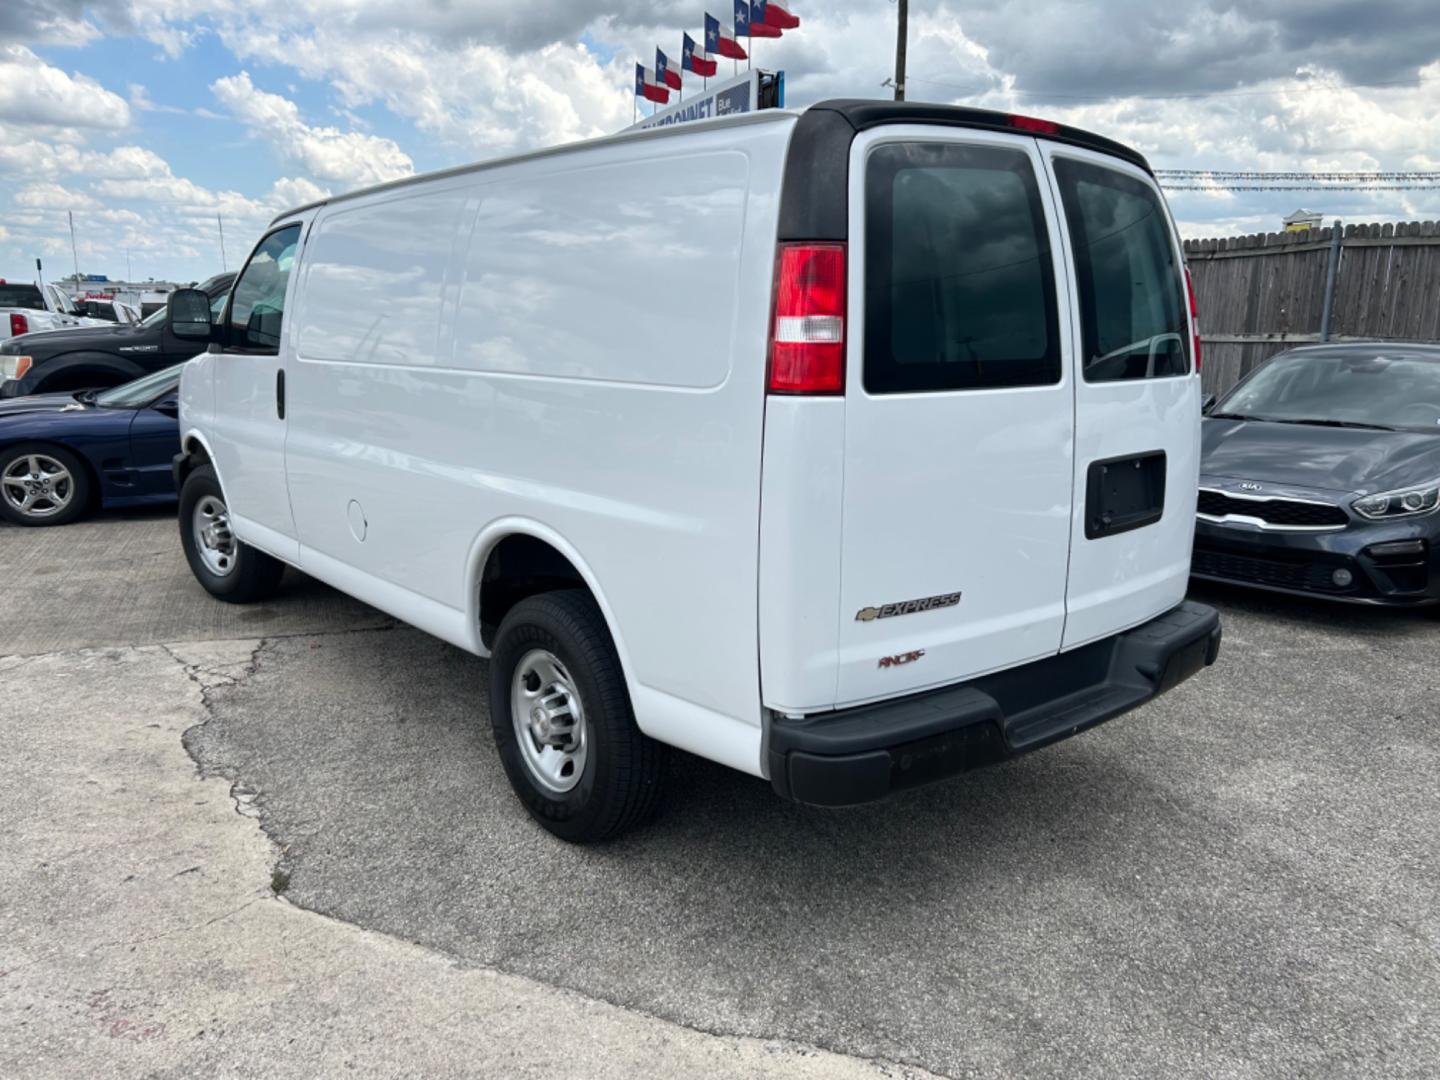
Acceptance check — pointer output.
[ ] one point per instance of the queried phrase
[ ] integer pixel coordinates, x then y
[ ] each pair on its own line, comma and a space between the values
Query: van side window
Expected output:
1132, 304
959, 278
259, 304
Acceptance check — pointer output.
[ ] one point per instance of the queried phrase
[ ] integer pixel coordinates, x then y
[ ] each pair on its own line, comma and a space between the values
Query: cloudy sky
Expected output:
149, 117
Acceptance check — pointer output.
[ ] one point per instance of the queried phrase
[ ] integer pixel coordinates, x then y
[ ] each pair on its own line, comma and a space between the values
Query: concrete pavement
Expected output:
1238, 880
140, 930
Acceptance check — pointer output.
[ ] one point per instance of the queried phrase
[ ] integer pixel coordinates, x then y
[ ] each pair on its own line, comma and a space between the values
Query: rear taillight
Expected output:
19, 324
1194, 318
807, 333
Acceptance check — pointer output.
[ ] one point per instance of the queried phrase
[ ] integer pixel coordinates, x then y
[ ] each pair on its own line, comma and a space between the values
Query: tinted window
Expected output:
259, 305
21, 296
1132, 303
959, 284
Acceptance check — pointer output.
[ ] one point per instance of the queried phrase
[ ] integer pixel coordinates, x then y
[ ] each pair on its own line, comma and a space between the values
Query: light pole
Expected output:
901, 32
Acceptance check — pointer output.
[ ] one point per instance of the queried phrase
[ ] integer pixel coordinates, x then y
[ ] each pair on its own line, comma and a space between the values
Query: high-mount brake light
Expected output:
19, 324
1194, 318
1034, 124
807, 330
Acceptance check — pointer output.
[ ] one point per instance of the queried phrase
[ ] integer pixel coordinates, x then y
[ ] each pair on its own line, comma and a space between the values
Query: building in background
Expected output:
1303, 220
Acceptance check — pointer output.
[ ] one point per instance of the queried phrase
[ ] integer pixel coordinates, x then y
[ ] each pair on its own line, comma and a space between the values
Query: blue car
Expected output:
62, 455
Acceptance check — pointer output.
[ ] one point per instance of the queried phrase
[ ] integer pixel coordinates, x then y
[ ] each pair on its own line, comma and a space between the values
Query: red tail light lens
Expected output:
1194, 318
807, 334
19, 324
1032, 123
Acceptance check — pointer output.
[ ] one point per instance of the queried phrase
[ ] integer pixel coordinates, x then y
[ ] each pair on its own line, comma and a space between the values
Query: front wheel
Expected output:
228, 568
42, 485
563, 722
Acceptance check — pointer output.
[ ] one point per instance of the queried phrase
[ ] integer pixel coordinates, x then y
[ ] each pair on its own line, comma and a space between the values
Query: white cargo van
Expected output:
850, 448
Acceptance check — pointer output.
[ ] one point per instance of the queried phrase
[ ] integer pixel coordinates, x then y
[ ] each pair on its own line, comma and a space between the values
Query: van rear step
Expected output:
862, 754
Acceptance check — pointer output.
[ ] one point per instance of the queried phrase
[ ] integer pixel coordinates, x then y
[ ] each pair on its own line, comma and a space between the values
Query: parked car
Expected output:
26, 307
106, 354
850, 514
111, 311
62, 455
1321, 475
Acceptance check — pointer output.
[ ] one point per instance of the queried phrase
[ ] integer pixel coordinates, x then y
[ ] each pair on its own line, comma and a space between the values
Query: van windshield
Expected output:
1132, 303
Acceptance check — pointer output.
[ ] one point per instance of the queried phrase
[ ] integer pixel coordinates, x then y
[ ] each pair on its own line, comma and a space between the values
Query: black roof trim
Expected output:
814, 200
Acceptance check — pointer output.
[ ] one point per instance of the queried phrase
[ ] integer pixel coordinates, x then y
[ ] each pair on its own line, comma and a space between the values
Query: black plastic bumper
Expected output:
862, 754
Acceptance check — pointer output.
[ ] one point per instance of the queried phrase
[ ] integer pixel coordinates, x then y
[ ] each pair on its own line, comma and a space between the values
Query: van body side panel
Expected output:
801, 504
597, 365
1136, 392
366, 332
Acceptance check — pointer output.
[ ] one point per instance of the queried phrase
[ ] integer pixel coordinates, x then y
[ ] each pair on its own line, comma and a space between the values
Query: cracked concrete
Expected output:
139, 933
1239, 880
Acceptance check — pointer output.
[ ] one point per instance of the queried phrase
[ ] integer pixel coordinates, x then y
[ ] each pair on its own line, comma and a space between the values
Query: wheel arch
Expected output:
489, 543
197, 452
69, 367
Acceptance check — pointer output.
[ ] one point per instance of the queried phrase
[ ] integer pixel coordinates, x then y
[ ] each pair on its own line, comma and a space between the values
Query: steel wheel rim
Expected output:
214, 542
37, 486
549, 721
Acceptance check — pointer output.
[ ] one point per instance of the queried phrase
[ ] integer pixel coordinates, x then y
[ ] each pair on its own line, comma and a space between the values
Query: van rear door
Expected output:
1137, 395
959, 411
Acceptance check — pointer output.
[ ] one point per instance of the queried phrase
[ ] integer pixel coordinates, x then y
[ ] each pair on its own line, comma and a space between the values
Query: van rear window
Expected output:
21, 296
959, 281
1132, 303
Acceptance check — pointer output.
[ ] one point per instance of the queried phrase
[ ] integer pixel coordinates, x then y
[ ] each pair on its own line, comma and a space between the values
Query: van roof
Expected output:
822, 123
764, 116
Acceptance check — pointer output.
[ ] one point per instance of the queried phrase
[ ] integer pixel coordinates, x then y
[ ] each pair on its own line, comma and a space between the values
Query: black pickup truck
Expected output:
95, 357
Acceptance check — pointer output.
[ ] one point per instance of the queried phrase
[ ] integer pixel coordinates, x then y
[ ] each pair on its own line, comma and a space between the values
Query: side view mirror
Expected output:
188, 313
169, 405
1207, 404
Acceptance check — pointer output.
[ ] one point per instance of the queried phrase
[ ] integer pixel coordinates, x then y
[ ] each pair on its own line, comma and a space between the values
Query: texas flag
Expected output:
775, 15
759, 26
720, 41
647, 87
665, 72
693, 59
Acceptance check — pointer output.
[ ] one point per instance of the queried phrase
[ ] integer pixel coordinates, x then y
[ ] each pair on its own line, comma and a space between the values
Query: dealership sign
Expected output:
738, 95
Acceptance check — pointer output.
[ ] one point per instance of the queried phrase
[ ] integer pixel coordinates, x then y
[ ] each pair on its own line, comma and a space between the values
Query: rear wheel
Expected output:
563, 722
42, 485
228, 568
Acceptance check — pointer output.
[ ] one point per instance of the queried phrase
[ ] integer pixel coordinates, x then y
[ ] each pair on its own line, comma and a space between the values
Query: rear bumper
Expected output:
862, 754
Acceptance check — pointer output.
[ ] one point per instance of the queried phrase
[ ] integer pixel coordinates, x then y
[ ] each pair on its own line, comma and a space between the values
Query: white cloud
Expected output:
477, 98
48, 196
349, 158
34, 93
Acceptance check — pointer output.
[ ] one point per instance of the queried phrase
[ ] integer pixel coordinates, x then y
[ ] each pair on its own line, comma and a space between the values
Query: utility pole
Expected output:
901, 33
221, 226
129, 274
74, 252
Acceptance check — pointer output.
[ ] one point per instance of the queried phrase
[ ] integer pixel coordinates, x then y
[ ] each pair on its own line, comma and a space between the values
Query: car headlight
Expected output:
14, 367
1409, 502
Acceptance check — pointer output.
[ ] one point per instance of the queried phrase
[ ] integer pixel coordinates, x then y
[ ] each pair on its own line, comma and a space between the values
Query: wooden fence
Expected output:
1260, 294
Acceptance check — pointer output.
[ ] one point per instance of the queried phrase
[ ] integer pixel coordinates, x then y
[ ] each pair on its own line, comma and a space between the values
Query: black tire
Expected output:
75, 487
250, 575
619, 784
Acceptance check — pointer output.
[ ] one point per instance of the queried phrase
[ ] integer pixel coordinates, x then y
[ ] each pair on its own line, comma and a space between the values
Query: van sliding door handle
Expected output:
280, 393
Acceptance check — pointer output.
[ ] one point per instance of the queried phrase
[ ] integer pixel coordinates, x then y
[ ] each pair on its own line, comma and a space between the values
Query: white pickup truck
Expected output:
26, 308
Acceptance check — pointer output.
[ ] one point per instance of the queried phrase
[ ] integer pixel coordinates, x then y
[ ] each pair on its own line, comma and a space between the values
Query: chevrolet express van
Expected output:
851, 448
